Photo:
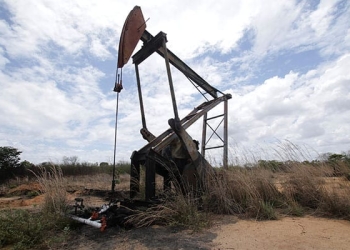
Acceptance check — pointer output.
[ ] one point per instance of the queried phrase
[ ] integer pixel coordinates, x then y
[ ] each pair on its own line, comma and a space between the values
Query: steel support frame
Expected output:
158, 44
150, 165
224, 137
178, 64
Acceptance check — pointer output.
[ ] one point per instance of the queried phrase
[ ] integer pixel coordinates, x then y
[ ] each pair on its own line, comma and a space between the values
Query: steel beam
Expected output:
174, 60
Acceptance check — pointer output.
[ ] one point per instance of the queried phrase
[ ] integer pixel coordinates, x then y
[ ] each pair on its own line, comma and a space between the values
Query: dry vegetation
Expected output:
263, 190
260, 192
54, 187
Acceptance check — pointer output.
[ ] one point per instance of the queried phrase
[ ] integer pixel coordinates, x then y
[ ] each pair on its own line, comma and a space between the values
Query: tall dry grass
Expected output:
262, 189
249, 192
240, 191
305, 185
54, 187
315, 188
176, 210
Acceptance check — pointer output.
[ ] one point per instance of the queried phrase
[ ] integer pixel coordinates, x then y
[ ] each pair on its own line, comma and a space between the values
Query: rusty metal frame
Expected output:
153, 164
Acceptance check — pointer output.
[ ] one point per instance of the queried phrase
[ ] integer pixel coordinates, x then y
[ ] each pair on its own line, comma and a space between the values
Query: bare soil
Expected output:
286, 233
227, 232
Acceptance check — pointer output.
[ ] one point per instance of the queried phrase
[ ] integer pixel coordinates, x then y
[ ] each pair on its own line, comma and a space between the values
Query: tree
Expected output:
9, 158
26, 164
9, 162
70, 160
104, 164
336, 157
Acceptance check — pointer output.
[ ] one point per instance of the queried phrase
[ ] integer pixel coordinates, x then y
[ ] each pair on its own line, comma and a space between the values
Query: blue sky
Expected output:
284, 62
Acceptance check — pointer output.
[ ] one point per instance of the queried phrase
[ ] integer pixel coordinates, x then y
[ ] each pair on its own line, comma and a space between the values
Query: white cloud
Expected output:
57, 62
311, 108
72, 25
3, 59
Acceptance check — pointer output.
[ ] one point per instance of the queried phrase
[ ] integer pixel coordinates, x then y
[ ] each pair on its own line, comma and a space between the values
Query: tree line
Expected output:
11, 165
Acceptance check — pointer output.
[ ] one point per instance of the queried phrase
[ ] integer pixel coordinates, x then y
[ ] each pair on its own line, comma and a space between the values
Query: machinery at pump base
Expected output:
173, 154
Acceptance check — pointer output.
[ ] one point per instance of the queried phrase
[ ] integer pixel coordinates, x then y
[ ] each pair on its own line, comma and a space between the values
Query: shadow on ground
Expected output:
155, 237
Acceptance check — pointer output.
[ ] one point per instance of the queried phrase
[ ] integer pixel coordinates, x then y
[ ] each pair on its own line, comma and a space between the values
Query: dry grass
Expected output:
176, 210
241, 191
305, 185
314, 188
99, 181
264, 190
257, 193
54, 186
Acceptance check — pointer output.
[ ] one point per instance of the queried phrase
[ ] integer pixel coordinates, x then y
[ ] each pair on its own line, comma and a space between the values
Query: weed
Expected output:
32, 194
293, 208
266, 211
27, 230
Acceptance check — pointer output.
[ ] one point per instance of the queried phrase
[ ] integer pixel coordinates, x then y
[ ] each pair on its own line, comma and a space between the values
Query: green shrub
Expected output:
21, 229
123, 168
266, 211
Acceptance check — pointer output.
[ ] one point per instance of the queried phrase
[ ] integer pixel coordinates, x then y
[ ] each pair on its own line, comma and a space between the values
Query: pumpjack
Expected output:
181, 153
173, 154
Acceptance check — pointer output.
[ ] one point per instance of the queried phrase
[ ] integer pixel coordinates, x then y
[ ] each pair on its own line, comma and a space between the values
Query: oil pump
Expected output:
173, 154
183, 159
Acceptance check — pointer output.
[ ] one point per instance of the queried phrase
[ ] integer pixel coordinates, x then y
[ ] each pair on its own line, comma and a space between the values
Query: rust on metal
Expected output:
132, 31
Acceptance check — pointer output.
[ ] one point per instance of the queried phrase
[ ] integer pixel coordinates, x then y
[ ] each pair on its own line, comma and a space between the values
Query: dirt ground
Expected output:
227, 232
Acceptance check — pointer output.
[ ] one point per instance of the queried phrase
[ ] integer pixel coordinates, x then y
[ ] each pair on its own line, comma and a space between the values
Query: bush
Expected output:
123, 167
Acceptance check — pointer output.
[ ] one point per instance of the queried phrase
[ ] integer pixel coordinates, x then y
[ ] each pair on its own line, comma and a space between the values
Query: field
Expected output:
268, 206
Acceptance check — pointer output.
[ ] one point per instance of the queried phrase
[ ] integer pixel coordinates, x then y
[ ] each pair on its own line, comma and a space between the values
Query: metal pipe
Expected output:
172, 92
204, 134
214, 147
89, 222
214, 117
225, 160
143, 118
161, 141
115, 142
181, 66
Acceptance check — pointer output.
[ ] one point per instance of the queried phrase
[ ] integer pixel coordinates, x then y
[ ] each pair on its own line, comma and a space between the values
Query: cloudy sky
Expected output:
286, 64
